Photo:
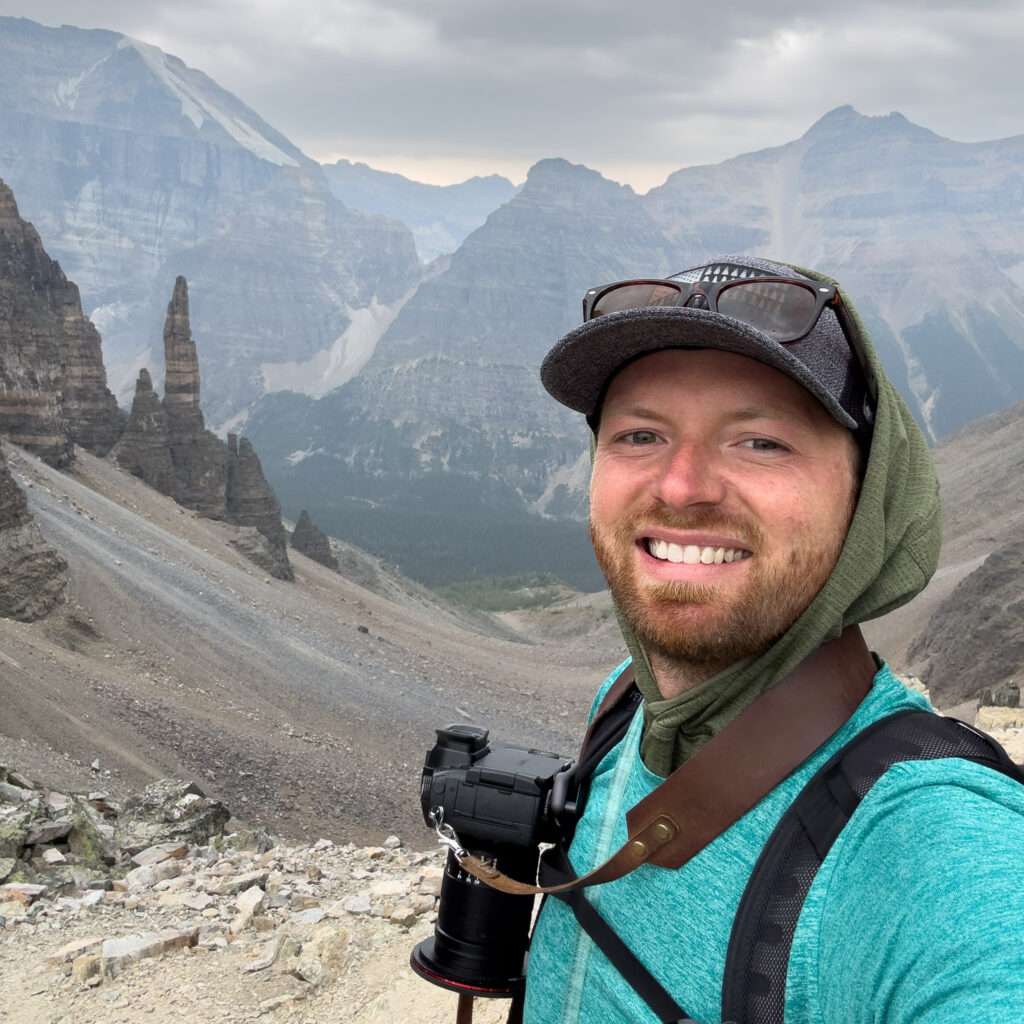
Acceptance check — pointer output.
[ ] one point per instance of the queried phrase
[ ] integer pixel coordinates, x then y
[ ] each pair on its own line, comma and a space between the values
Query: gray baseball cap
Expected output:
579, 367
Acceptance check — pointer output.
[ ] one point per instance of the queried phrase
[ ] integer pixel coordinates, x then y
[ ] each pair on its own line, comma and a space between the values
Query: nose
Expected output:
690, 475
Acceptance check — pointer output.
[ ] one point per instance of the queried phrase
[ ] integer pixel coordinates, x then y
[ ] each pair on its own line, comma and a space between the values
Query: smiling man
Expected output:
759, 488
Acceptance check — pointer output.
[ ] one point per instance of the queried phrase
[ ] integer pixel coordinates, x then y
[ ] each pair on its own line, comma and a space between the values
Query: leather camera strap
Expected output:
734, 770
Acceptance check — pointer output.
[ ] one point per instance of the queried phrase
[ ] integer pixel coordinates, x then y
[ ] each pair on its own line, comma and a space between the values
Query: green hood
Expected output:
890, 553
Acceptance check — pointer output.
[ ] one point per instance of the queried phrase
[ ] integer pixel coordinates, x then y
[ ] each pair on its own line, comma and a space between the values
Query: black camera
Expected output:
497, 800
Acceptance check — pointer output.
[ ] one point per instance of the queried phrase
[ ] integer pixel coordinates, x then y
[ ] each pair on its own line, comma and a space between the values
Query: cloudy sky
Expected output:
635, 89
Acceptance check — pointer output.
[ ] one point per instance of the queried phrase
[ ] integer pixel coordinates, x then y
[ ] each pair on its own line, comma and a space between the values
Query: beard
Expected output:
707, 627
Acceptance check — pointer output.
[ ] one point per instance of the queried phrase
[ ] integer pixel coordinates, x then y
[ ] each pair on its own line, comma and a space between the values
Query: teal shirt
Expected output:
916, 916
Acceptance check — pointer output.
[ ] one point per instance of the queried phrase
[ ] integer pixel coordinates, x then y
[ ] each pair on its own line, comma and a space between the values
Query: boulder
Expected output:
169, 811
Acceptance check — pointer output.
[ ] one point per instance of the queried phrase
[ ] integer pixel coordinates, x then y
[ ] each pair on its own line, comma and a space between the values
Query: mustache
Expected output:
709, 520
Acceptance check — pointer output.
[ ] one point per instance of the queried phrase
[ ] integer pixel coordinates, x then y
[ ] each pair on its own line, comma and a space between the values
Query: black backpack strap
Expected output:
754, 984
607, 728
555, 869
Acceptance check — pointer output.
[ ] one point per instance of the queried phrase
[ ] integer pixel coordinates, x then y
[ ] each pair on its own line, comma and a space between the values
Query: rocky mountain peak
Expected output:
556, 177
850, 124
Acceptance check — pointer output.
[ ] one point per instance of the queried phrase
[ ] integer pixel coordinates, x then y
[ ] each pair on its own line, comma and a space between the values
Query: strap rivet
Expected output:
662, 831
638, 849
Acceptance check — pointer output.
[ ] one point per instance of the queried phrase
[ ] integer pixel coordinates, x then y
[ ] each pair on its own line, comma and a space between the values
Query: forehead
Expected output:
674, 380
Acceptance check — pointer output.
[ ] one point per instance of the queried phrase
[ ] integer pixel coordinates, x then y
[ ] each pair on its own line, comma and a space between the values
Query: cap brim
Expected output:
577, 370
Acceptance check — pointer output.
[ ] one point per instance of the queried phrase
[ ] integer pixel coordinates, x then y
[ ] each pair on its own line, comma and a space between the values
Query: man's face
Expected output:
720, 499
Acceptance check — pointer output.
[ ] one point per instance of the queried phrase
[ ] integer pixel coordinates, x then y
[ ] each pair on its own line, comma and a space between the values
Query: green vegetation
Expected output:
507, 593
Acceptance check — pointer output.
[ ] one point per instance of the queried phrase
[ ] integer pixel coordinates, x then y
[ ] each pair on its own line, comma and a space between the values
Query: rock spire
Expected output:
313, 543
166, 443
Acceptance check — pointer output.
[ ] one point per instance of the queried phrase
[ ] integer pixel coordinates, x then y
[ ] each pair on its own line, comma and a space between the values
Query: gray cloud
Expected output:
656, 83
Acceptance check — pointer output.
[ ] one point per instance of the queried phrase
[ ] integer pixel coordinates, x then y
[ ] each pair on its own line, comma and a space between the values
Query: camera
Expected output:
498, 801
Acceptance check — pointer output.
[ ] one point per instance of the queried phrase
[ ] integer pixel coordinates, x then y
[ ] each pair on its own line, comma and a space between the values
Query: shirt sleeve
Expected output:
921, 911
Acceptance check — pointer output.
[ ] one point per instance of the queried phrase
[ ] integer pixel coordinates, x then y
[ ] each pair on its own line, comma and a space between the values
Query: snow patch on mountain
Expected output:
332, 367
198, 109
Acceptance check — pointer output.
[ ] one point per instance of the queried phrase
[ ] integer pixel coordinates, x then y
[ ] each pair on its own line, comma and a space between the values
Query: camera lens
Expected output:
481, 936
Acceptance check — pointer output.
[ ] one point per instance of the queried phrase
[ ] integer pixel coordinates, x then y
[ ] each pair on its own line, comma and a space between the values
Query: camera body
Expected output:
498, 801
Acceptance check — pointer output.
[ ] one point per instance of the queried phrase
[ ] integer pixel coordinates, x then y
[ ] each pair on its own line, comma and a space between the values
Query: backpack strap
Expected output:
754, 984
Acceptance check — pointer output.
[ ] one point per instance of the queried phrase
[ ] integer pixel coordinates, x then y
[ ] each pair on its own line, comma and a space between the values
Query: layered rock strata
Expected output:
30, 371
167, 445
198, 457
312, 542
32, 574
53, 385
144, 449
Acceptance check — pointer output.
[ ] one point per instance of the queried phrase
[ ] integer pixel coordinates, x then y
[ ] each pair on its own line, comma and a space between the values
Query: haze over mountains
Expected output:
441, 449
437, 446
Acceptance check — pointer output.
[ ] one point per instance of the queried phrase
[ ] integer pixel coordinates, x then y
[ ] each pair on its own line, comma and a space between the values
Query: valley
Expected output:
307, 707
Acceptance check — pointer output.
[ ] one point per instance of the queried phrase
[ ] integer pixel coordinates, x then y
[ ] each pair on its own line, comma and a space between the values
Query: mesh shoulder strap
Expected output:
754, 985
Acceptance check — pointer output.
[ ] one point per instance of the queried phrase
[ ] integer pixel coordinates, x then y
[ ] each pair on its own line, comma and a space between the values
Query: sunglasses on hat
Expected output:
783, 309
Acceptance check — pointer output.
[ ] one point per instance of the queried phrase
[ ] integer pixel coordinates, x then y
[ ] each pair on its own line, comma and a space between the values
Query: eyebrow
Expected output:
750, 412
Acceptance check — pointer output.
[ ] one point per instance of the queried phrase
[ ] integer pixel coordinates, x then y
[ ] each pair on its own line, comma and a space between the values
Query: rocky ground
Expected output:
210, 928
307, 707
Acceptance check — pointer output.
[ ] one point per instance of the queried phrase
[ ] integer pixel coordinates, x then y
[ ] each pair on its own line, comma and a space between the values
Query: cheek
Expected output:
808, 512
608, 493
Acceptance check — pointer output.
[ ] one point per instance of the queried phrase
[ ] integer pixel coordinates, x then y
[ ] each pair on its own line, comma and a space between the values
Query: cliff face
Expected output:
167, 445
974, 641
32, 574
53, 387
30, 371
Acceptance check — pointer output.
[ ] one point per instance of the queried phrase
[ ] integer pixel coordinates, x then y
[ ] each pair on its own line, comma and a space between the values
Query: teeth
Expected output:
691, 554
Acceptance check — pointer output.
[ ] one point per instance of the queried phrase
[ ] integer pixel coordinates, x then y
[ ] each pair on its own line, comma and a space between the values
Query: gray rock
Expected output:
313, 915
116, 954
358, 904
169, 811
47, 832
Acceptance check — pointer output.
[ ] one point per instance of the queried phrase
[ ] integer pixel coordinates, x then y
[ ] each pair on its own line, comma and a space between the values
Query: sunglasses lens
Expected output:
783, 310
634, 295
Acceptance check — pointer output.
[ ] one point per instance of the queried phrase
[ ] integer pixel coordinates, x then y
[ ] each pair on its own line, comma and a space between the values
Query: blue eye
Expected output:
641, 437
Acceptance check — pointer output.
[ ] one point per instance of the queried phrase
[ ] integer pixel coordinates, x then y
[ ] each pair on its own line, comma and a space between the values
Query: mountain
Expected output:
445, 452
136, 169
924, 234
448, 413
53, 384
400, 405
439, 216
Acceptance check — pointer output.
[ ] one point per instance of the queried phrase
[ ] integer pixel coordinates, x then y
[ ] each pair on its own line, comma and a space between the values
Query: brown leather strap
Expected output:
733, 770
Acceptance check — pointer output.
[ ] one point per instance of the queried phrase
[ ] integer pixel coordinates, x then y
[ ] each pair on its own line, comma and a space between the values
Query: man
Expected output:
758, 489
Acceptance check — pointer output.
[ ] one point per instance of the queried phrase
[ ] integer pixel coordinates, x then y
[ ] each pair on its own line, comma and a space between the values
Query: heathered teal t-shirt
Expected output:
916, 916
